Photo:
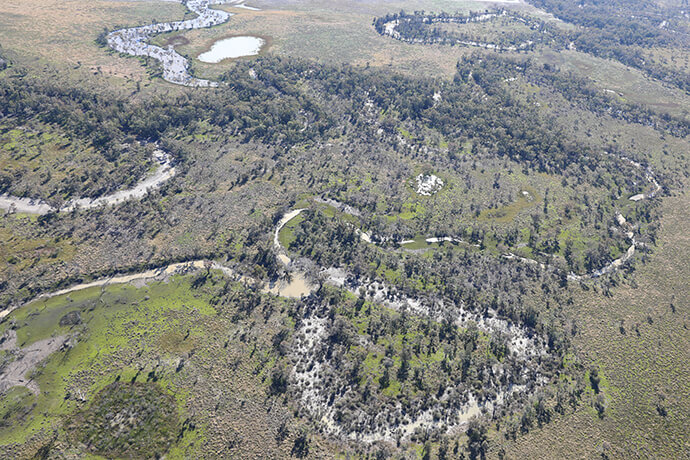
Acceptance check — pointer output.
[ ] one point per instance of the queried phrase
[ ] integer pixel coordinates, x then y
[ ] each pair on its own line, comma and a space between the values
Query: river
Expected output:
134, 40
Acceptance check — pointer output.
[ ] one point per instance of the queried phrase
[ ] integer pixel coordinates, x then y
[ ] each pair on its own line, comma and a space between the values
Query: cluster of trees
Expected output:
285, 112
85, 127
277, 108
453, 278
272, 109
479, 108
55, 167
280, 128
616, 30
420, 27
490, 71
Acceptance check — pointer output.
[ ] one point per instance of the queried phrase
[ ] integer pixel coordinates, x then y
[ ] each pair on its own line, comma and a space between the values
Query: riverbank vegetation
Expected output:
632, 32
270, 122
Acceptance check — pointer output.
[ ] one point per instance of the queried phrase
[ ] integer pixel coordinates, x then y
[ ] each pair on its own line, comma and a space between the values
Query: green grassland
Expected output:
111, 327
628, 83
185, 366
286, 233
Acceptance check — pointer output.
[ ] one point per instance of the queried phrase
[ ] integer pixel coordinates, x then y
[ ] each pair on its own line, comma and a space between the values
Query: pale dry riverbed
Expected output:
612, 266
311, 375
26, 359
15, 373
164, 171
297, 285
390, 29
308, 373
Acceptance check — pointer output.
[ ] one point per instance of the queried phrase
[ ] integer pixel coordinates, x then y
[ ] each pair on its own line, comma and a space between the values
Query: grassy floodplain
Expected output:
166, 335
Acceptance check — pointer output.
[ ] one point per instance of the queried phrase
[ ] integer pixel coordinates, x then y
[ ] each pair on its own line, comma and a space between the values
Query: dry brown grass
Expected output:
327, 36
631, 84
63, 33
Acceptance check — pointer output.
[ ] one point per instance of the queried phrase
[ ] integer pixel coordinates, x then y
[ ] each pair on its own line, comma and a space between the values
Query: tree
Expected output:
443, 449
426, 451
404, 370
600, 404
477, 443
300, 448
279, 381
385, 379
594, 379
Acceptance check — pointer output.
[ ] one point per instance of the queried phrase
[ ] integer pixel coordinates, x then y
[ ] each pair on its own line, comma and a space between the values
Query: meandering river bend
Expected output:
134, 40
164, 171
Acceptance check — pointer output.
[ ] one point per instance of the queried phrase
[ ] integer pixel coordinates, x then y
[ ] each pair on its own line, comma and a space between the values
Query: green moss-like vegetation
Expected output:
125, 386
286, 236
15, 406
279, 131
111, 320
508, 212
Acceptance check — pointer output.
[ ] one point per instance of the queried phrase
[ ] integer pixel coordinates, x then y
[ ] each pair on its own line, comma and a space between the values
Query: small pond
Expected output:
233, 47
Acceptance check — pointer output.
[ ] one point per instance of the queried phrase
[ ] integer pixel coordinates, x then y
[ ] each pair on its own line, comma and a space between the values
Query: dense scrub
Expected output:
620, 30
492, 71
128, 420
295, 110
381, 375
419, 27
